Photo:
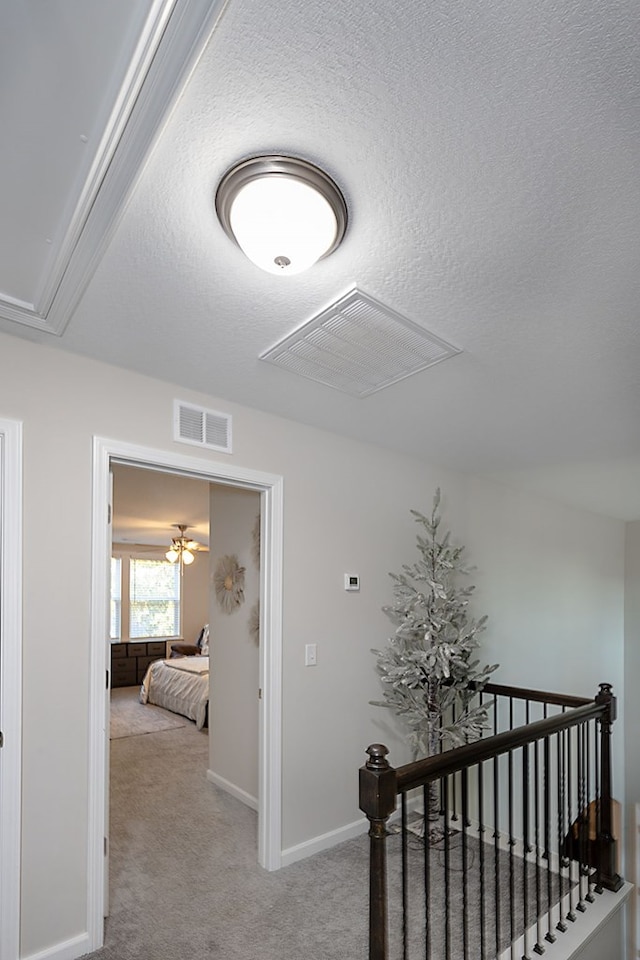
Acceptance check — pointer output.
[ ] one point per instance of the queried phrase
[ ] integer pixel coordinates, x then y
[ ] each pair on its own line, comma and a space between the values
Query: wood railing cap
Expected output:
377, 753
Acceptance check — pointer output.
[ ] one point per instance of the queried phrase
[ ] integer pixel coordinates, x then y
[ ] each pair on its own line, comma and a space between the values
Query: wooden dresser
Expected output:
129, 661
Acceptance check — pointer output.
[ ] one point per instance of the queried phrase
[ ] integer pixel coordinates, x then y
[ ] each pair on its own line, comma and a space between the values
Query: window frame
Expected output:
126, 555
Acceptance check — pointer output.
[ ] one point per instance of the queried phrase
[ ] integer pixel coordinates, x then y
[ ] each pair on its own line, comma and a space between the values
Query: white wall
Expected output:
195, 597
233, 706
551, 580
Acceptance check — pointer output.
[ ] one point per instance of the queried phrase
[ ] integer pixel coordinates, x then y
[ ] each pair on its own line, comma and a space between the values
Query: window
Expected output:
115, 614
145, 597
154, 598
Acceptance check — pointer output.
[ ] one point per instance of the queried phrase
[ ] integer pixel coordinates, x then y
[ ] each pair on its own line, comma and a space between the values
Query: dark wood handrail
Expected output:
415, 774
538, 696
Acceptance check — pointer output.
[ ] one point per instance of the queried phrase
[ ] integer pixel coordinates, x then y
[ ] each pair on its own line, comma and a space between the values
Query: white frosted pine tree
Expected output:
429, 670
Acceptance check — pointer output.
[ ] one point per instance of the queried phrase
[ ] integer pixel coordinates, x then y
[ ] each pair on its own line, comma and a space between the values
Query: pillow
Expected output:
203, 641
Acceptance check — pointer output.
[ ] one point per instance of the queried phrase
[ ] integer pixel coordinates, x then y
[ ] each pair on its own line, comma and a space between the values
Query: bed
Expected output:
181, 685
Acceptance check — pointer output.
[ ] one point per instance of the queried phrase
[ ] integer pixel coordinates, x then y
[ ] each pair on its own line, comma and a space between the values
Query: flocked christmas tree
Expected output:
429, 669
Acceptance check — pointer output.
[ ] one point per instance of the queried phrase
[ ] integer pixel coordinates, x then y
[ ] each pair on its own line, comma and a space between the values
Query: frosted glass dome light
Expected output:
285, 214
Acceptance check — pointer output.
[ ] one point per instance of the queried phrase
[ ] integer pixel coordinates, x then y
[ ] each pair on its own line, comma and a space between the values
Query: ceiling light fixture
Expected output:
182, 549
284, 213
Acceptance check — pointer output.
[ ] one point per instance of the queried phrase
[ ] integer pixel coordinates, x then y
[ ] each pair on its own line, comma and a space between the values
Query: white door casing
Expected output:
270, 719
10, 684
107, 705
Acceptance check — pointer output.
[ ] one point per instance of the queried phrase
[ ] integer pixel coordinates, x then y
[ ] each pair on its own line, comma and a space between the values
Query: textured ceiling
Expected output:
488, 154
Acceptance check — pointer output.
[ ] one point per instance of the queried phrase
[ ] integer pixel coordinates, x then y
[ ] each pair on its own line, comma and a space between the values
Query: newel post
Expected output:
606, 843
378, 801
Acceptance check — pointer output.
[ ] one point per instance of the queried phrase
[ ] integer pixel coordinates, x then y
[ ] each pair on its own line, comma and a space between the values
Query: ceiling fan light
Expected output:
285, 214
172, 555
187, 557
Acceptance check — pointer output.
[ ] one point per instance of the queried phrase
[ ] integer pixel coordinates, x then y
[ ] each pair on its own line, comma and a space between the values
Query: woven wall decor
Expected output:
228, 582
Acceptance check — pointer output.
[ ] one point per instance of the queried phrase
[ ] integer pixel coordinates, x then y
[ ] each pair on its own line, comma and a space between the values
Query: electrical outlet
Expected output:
310, 655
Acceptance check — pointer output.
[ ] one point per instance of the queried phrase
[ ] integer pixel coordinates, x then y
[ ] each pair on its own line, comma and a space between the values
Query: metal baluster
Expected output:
549, 935
511, 836
598, 845
454, 797
481, 853
441, 811
526, 848
427, 877
405, 880
538, 948
447, 898
582, 820
562, 801
591, 818
464, 788
512, 879
570, 915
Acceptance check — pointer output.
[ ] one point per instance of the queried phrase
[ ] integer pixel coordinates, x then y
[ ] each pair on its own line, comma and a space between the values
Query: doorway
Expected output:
270, 487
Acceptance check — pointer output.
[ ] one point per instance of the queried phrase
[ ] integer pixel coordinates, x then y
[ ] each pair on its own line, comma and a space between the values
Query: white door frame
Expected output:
270, 717
10, 684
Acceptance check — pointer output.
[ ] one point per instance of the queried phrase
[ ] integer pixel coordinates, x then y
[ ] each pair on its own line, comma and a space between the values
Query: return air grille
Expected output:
200, 427
359, 346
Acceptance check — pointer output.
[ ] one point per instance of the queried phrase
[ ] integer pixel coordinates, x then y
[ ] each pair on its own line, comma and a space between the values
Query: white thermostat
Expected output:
351, 581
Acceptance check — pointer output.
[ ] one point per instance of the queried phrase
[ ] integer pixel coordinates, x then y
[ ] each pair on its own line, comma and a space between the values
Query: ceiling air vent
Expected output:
200, 427
358, 345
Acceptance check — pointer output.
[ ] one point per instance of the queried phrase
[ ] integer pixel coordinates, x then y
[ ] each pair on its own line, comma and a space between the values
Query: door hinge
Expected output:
109, 513
259, 693
106, 847
106, 673
1, 739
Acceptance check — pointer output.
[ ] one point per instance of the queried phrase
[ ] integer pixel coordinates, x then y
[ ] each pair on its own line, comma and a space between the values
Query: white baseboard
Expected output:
68, 950
326, 840
231, 788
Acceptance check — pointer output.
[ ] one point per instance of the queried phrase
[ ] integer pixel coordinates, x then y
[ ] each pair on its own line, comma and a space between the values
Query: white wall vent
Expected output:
359, 345
200, 427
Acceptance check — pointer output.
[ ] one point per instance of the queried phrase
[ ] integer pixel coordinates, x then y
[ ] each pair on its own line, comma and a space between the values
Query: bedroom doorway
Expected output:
269, 488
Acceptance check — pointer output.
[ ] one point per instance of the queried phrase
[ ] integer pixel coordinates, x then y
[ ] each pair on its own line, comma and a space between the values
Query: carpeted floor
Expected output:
185, 883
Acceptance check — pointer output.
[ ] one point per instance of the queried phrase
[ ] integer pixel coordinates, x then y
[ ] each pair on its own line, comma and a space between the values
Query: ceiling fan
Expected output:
182, 549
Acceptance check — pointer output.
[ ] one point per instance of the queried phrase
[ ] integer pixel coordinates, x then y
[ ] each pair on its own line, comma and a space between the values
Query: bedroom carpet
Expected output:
130, 718
185, 883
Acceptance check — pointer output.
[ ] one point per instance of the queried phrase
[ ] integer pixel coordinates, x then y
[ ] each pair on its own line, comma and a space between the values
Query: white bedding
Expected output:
180, 685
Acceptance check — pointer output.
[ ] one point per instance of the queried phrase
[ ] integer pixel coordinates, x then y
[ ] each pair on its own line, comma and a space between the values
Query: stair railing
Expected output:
531, 803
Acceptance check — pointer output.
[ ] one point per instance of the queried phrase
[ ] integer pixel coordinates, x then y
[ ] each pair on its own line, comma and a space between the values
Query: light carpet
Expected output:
185, 881
130, 718
186, 885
